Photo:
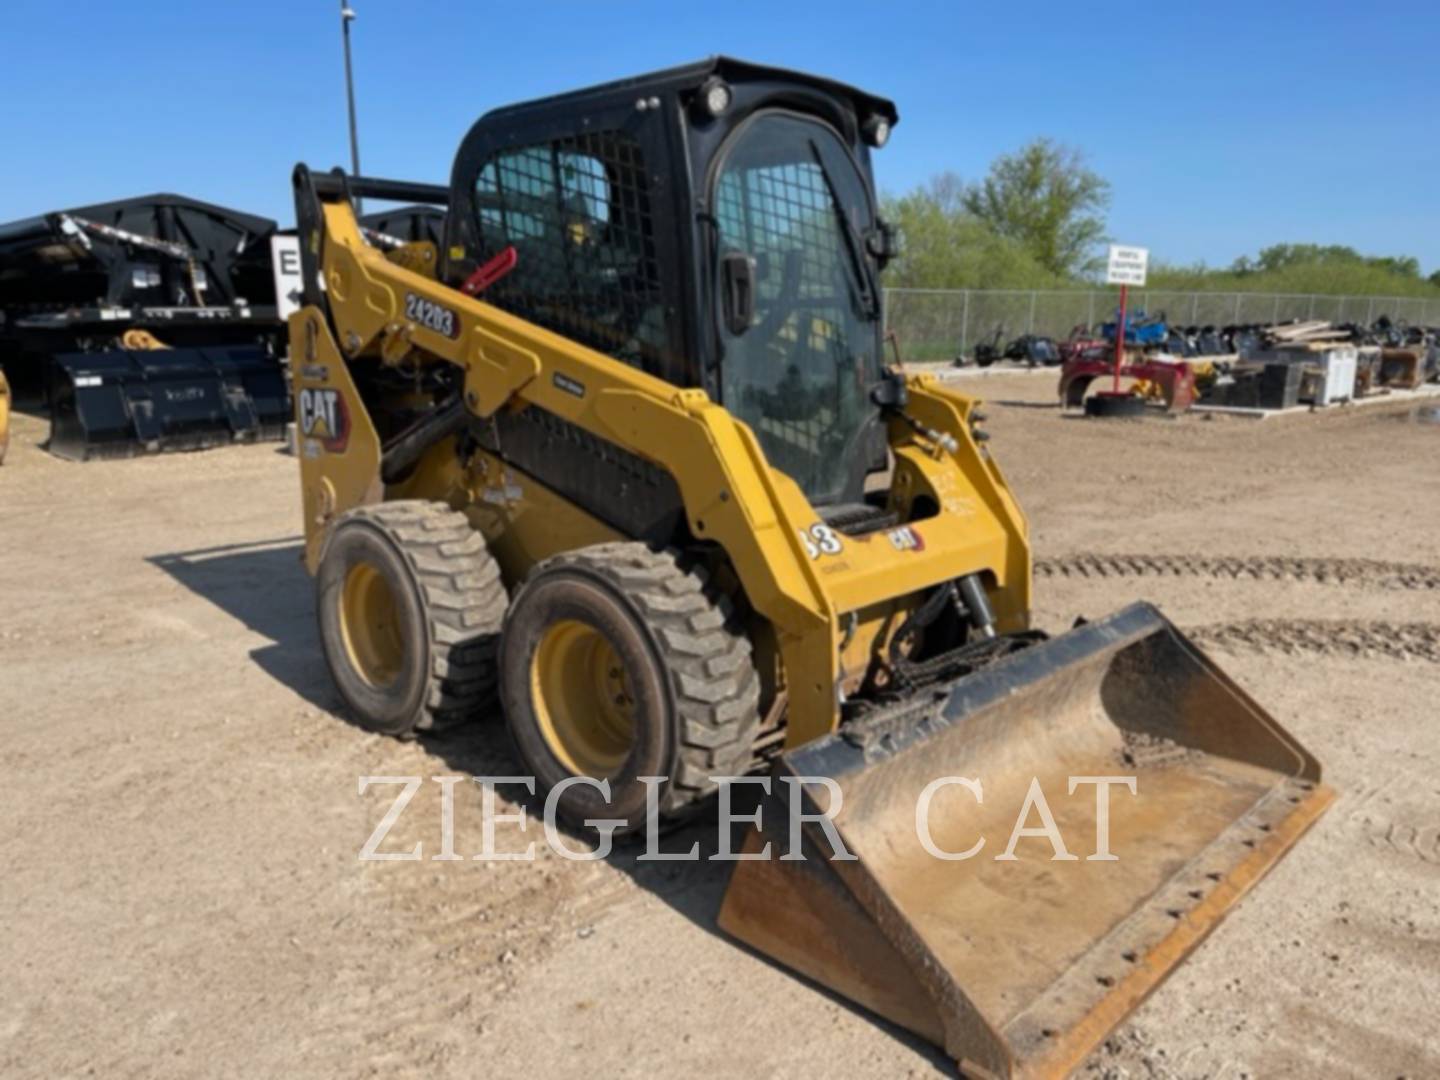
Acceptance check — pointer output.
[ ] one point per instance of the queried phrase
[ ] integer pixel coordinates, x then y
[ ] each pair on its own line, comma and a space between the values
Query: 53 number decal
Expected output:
431, 315
820, 539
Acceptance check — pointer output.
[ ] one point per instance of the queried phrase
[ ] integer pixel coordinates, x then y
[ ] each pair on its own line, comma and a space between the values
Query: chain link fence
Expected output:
939, 324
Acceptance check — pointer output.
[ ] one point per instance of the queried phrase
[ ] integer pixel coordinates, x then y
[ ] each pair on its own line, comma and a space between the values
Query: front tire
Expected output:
618, 662
410, 605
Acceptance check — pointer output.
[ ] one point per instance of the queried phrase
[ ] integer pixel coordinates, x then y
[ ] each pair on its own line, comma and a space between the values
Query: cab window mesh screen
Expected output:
578, 212
784, 211
786, 218
799, 373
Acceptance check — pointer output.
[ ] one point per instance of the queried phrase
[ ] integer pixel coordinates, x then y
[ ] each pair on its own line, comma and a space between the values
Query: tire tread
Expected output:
707, 657
464, 602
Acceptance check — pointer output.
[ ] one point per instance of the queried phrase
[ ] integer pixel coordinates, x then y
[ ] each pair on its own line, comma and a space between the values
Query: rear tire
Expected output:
618, 662
410, 606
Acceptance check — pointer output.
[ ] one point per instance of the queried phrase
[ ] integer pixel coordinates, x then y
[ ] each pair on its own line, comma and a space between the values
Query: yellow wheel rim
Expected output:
370, 625
582, 699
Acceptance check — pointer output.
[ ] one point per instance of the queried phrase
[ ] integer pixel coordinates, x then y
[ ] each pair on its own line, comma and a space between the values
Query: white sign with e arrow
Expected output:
289, 280
1127, 265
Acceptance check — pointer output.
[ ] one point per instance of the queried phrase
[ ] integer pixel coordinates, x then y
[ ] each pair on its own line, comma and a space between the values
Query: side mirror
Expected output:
737, 272
883, 242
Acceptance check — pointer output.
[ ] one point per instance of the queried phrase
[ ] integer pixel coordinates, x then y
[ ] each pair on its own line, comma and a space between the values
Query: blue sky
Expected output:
1223, 127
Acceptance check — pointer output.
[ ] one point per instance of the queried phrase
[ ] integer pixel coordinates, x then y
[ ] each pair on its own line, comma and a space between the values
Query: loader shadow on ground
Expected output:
264, 586
692, 888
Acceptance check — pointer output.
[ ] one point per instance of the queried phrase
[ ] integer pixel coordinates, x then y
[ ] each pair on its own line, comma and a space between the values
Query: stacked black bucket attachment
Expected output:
144, 325
123, 402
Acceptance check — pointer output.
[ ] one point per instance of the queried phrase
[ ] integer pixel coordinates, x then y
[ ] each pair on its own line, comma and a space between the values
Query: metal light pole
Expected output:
347, 15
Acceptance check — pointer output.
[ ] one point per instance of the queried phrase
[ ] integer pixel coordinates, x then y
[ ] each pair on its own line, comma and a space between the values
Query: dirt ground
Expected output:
181, 892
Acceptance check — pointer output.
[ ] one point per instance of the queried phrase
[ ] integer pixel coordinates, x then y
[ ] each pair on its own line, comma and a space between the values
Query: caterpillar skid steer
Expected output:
621, 458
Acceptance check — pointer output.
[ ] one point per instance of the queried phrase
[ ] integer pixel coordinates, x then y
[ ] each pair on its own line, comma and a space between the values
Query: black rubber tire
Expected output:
450, 607
1115, 406
688, 667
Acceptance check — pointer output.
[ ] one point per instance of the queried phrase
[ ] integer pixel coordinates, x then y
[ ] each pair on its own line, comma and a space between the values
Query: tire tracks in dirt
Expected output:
1389, 821
1414, 641
1363, 572
1415, 841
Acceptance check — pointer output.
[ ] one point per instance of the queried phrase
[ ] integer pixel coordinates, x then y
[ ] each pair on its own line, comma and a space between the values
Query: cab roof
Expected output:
690, 77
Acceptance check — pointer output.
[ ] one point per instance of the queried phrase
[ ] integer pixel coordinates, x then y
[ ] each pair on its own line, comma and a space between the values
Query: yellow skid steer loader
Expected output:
620, 457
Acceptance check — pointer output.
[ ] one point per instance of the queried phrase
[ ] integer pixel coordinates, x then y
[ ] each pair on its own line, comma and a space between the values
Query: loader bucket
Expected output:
125, 402
1019, 968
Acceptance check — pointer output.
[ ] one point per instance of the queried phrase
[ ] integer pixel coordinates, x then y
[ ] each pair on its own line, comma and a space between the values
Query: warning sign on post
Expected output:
1127, 265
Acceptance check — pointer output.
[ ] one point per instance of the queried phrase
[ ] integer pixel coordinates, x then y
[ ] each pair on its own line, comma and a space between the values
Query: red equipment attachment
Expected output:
1175, 380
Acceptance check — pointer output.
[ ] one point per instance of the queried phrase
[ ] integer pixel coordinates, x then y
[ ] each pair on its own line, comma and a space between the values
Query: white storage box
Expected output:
1339, 363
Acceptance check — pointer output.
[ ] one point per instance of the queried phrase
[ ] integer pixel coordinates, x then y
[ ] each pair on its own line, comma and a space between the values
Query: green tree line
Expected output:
1036, 220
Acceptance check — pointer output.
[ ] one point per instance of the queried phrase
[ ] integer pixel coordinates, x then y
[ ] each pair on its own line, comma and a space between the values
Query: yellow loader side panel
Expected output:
339, 450
336, 442
522, 520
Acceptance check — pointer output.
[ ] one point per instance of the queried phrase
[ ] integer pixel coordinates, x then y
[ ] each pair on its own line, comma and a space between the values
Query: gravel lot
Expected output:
181, 888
